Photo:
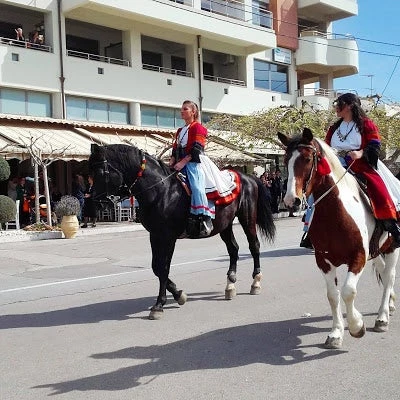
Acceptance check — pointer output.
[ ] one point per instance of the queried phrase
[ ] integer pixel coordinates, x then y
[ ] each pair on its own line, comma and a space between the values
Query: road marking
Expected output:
101, 276
132, 272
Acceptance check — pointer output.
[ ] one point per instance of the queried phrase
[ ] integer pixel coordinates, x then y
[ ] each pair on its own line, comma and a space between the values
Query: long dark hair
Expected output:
358, 114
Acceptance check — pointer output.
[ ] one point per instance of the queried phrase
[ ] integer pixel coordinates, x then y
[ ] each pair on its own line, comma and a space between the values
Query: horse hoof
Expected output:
156, 315
381, 326
182, 299
392, 309
333, 343
255, 290
230, 294
360, 333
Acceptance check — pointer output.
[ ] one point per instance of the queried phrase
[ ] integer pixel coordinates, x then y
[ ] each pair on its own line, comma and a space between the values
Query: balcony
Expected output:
97, 57
327, 10
320, 53
219, 23
25, 44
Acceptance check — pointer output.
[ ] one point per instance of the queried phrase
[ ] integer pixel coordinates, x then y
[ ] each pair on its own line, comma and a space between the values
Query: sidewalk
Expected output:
13, 235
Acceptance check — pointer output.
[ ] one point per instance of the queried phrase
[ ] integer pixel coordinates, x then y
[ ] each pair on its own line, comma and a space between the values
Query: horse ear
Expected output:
307, 134
283, 138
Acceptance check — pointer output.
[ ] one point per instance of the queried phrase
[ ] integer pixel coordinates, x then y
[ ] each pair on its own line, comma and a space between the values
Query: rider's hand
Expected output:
355, 154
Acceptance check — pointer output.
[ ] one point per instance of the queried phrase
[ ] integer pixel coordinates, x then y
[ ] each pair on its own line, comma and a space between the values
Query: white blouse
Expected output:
346, 137
183, 136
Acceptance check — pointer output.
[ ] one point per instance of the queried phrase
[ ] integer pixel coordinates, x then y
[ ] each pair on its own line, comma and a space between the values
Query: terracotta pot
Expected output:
69, 226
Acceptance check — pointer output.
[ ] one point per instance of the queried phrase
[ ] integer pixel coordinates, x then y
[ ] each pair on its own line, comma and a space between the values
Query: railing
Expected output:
234, 9
325, 35
184, 2
172, 71
224, 80
97, 57
25, 44
317, 92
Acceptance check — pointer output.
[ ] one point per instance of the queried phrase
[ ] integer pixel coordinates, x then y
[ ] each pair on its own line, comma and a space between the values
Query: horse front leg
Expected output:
162, 251
179, 295
386, 268
335, 337
233, 250
349, 293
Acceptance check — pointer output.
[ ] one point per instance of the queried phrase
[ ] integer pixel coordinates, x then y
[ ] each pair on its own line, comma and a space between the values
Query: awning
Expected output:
53, 142
153, 145
71, 140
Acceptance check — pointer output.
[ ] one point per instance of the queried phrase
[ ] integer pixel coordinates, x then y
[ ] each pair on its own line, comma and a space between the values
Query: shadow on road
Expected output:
274, 343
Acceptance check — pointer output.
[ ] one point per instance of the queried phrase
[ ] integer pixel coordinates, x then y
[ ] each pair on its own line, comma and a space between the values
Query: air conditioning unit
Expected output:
229, 60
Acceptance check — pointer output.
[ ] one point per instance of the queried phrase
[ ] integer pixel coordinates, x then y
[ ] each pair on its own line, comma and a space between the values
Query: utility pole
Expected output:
370, 88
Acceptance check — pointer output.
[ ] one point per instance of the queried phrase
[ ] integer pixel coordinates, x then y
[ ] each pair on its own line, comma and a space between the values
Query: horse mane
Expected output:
123, 152
338, 171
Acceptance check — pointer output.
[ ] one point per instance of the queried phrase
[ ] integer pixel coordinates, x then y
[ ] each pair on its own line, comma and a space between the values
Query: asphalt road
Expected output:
73, 325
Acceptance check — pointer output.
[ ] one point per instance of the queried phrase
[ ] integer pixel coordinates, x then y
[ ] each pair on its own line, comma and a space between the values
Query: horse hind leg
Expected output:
254, 246
233, 250
385, 267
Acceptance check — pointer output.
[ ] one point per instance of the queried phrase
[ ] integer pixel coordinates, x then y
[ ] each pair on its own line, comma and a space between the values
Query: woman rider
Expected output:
357, 139
188, 145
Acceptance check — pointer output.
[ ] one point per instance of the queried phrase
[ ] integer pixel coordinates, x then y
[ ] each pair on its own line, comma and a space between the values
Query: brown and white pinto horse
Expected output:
340, 230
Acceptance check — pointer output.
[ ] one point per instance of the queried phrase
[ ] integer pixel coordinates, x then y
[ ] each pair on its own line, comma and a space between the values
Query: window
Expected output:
151, 58
270, 76
95, 110
24, 102
260, 14
161, 117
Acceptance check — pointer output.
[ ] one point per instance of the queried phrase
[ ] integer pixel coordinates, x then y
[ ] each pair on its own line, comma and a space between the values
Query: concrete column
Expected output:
134, 111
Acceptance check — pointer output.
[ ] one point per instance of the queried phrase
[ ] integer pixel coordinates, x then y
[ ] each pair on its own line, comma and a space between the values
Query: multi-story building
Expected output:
127, 65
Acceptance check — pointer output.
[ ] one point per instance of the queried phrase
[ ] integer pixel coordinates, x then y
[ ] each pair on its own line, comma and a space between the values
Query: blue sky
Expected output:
377, 21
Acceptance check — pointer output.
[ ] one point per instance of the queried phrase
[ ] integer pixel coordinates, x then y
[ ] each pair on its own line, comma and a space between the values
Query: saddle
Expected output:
214, 195
374, 248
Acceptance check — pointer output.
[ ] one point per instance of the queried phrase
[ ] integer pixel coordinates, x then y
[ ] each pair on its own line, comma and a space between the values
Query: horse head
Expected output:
108, 179
302, 153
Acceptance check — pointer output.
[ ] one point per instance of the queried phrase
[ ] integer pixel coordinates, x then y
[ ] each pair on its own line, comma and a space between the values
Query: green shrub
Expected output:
68, 205
8, 209
4, 169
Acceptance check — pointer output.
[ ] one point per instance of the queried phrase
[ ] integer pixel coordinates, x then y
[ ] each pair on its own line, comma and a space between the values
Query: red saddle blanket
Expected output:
226, 198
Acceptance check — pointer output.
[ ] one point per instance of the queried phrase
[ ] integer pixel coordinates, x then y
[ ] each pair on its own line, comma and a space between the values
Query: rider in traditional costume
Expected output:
357, 140
188, 146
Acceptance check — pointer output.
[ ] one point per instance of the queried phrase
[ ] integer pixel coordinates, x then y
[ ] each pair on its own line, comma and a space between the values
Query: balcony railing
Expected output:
229, 81
97, 57
172, 71
317, 92
234, 9
325, 35
25, 44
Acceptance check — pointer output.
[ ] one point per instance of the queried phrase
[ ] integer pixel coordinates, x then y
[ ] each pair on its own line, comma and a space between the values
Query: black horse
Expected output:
164, 210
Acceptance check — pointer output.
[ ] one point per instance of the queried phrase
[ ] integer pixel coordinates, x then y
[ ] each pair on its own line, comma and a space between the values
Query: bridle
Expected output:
316, 154
124, 186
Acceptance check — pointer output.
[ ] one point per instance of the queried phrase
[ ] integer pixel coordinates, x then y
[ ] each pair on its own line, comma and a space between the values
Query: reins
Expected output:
315, 161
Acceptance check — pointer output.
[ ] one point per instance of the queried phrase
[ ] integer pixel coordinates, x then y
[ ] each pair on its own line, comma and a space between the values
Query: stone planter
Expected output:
69, 226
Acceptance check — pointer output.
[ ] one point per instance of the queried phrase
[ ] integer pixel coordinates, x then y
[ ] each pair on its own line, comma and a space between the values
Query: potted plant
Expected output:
68, 209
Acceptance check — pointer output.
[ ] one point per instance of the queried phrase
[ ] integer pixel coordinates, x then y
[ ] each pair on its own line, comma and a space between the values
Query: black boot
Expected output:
306, 242
393, 228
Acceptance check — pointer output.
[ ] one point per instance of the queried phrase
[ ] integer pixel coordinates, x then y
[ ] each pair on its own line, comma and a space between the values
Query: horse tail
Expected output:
265, 220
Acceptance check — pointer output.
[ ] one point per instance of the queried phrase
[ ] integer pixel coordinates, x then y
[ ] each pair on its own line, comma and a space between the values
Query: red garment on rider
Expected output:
196, 133
381, 201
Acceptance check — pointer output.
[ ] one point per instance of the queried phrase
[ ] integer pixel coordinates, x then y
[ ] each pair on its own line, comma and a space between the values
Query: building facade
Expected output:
134, 62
